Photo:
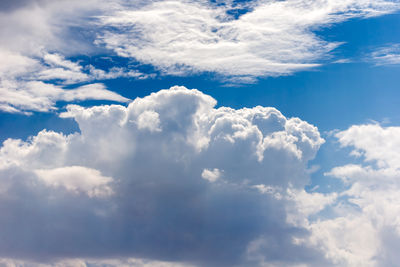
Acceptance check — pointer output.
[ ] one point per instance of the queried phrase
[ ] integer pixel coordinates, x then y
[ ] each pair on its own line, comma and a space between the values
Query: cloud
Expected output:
376, 144
38, 96
167, 178
7, 6
36, 84
34, 79
363, 228
389, 55
174, 180
272, 38
76, 179
56, 67
41, 40
61, 26
211, 175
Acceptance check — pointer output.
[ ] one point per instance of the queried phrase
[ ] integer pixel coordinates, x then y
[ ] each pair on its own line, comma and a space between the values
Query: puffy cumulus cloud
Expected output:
272, 38
169, 178
76, 179
364, 227
211, 175
376, 144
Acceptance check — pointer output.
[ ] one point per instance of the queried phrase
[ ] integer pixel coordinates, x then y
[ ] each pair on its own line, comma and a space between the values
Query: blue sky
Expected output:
200, 133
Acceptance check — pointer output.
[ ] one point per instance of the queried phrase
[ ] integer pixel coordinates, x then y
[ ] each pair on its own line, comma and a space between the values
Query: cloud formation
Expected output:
36, 84
389, 55
40, 41
364, 227
35, 72
174, 180
273, 38
193, 184
170, 179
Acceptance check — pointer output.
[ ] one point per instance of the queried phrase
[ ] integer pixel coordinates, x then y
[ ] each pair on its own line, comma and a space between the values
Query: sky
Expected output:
199, 133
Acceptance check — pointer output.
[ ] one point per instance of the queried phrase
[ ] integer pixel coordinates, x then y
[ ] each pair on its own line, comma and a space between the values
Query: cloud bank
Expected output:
168, 178
171, 180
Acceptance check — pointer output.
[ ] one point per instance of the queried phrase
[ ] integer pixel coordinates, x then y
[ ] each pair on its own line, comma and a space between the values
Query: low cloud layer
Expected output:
170, 180
190, 184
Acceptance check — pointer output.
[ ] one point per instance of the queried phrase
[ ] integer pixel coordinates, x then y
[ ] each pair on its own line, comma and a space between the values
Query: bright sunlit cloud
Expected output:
99, 167
202, 168
389, 55
273, 38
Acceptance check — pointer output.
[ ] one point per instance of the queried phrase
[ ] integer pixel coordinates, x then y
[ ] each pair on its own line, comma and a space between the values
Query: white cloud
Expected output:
211, 175
35, 77
375, 143
170, 164
149, 120
56, 67
171, 177
76, 179
364, 229
38, 38
389, 55
28, 84
133, 184
91, 91
347, 241
40, 96
50, 25
24, 86
306, 204
273, 38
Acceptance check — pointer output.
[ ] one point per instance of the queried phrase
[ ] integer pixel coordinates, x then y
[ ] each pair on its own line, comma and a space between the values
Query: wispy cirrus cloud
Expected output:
24, 97
271, 38
34, 79
238, 42
388, 55
36, 83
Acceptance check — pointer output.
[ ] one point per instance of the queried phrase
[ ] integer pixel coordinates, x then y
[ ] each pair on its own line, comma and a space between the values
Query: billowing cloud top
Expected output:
169, 177
171, 180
